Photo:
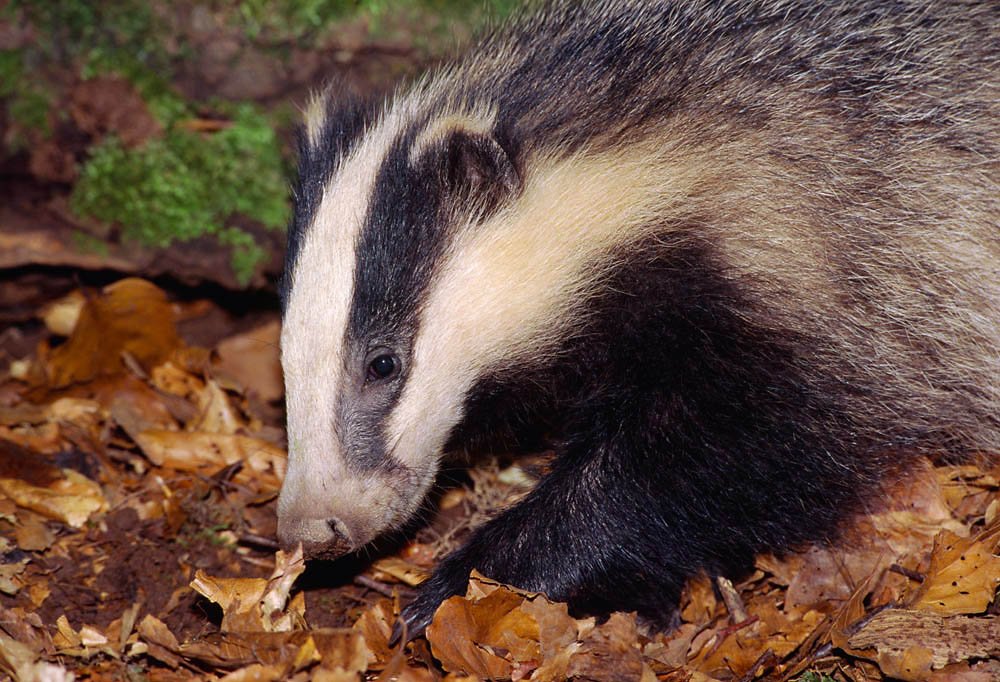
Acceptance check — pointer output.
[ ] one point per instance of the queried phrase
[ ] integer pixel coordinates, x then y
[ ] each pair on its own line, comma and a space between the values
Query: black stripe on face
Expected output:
416, 207
405, 231
347, 117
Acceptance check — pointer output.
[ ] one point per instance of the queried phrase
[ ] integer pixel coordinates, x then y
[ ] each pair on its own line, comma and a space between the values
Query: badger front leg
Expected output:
578, 537
648, 497
597, 532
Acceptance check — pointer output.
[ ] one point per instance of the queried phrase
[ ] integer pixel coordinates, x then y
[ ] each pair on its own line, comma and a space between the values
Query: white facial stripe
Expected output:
509, 285
314, 328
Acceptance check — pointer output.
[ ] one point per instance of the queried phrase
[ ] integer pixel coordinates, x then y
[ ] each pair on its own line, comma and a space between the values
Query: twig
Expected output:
374, 585
912, 575
731, 597
258, 541
722, 634
764, 661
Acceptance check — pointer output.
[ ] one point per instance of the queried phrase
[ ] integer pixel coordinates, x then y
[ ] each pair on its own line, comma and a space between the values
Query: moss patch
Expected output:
188, 184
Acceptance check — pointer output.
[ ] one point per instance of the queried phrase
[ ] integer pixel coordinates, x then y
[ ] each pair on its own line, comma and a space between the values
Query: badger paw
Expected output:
450, 579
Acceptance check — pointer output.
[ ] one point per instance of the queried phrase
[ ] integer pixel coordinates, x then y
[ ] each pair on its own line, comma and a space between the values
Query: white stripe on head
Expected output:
316, 319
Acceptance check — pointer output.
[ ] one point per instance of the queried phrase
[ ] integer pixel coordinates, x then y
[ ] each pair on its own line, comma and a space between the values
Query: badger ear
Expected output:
472, 167
477, 164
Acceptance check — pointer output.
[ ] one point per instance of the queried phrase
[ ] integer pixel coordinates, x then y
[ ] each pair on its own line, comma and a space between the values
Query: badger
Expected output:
737, 262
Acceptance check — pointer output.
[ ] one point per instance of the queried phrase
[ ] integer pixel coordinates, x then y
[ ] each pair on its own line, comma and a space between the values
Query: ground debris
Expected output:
138, 478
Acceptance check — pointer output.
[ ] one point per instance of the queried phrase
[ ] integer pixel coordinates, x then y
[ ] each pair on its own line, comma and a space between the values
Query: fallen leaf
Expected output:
256, 604
32, 534
9, 572
399, 570
610, 653
71, 500
215, 413
332, 648
253, 360
22, 663
375, 626
162, 644
963, 575
193, 451
453, 634
130, 316
60, 316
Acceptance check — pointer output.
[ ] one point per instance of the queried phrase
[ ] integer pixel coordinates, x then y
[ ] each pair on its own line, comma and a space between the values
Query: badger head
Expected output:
371, 393
427, 253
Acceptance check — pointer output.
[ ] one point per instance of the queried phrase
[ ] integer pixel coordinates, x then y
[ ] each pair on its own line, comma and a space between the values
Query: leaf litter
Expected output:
138, 477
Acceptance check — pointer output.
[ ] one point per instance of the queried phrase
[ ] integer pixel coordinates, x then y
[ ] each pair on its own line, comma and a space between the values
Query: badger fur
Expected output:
736, 261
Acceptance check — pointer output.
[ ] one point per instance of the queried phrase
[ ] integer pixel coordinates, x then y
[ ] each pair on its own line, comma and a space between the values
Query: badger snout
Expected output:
321, 538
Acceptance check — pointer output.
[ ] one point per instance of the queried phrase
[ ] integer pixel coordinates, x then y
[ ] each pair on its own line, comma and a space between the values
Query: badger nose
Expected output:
320, 538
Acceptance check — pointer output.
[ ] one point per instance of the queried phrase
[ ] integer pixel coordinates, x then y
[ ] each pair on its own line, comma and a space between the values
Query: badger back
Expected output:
458, 252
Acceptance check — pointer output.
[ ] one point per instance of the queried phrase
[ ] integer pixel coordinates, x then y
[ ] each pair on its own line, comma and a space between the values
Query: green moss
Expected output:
100, 35
303, 19
247, 253
187, 185
88, 243
27, 103
11, 68
815, 677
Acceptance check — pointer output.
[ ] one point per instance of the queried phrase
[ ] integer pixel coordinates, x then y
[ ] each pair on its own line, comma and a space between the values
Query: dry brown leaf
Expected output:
173, 379
610, 652
331, 648
215, 413
913, 664
830, 576
257, 672
250, 604
21, 662
130, 316
239, 598
984, 671
558, 633
671, 649
963, 575
10, 582
161, 644
375, 626
847, 617
698, 602
193, 451
959, 482
32, 534
399, 570
455, 630
70, 500
60, 316
253, 360
86, 643
27, 628
136, 407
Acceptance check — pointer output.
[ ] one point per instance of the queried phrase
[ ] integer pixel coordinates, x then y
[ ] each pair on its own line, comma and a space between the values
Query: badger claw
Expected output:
410, 625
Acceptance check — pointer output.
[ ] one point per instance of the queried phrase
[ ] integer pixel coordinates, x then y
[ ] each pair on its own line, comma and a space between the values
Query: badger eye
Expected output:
382, 366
